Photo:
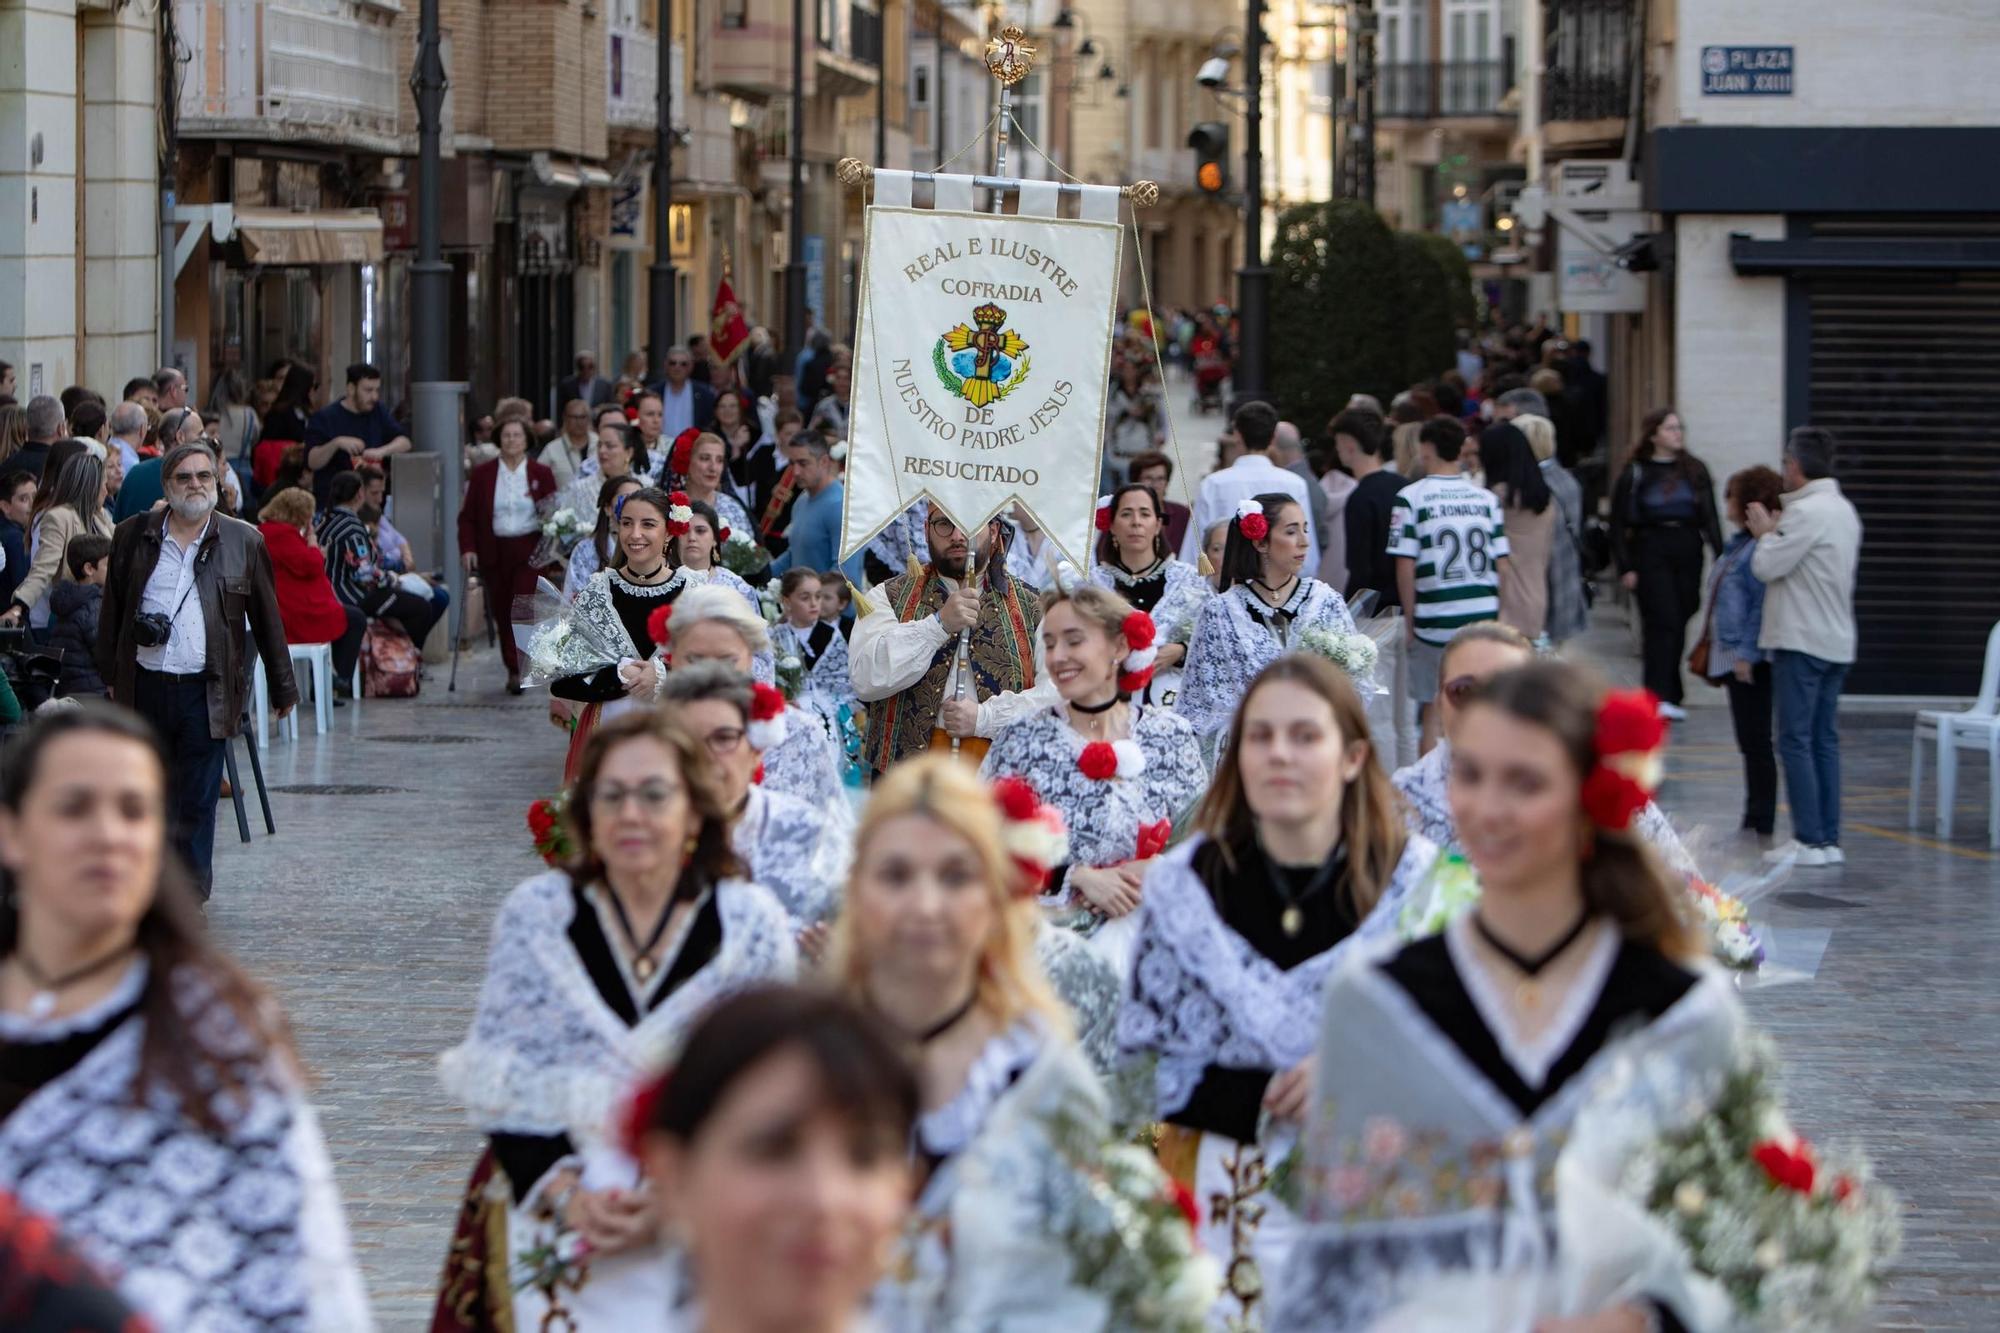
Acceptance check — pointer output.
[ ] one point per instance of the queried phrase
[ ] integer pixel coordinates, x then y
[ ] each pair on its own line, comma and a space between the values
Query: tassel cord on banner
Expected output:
1146, 295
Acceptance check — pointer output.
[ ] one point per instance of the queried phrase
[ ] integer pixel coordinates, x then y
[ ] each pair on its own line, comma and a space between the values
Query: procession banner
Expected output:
981, 369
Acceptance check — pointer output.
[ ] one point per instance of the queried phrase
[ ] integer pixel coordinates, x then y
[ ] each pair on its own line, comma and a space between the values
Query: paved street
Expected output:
399, 834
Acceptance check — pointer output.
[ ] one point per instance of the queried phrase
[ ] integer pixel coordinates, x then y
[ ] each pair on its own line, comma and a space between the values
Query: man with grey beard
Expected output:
182, 582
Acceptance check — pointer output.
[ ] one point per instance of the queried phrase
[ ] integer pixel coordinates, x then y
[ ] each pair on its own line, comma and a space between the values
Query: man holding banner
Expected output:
929, 626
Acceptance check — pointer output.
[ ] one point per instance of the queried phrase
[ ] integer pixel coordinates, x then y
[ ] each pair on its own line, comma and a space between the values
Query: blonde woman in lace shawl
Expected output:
1298, 861
594, 975
937, 938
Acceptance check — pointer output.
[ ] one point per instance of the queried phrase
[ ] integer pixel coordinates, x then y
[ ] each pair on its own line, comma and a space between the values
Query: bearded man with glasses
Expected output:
185, 587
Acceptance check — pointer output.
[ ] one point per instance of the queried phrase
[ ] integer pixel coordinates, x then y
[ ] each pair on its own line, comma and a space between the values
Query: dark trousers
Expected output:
177, 706
509, 574
1750, 710
1668, 562
347, 648
415, 614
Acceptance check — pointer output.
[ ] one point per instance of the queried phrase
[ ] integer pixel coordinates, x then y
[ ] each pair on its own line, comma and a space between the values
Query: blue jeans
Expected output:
1808, 698
177, 706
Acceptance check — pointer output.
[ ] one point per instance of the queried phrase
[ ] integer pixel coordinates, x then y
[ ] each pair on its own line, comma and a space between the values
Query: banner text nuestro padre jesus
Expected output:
960, 316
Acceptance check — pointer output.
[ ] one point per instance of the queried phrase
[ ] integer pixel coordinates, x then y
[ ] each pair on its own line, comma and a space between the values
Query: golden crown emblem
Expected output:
989, 316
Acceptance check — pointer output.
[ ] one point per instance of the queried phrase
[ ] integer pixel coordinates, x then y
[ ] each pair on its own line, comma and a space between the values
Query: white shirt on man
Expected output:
513, 510
566, 461
126, 452
170, 591
886, 656
676, 409
1251, 475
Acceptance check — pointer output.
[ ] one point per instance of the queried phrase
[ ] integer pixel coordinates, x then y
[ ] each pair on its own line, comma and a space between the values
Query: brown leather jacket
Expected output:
233, 581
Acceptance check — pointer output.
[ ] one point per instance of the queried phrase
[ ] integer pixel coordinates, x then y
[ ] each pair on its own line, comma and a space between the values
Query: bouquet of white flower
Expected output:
742, 556
1356, 654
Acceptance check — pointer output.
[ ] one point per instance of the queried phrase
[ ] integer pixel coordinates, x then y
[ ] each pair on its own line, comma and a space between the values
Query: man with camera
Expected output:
170, 643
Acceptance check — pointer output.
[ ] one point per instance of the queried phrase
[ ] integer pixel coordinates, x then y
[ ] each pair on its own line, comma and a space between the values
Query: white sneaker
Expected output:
1834, 856
1813, 856
1785, 850
1673, 712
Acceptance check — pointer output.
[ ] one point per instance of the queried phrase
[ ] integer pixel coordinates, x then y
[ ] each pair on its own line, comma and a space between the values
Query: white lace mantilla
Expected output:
793, 851
1200, 994
201, 1232
1237, 635
949, 1128
546, 1054
1104, 818
828, 682
1427, 811
982, 1249
805, 765
1185, 595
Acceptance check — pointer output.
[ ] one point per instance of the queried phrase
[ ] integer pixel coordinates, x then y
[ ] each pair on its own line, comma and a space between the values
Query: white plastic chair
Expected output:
318, 658
1976, 728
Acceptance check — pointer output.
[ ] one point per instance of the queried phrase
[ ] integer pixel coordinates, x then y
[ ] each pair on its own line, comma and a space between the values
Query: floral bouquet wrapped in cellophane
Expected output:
560, 638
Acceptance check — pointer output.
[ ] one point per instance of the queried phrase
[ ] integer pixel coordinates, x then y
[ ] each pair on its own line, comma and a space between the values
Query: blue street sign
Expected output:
1746, 71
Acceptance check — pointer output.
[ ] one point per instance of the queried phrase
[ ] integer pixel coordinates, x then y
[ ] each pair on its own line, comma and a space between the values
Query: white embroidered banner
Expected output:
981, 368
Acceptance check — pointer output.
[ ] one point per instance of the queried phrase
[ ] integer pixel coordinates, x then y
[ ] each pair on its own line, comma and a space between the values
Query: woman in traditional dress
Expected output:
693, 552
1451, 1074
713, 625
150, 1102
595, 975
600, 549
707, 471
1474, 656
1133, 561
1264, 603
791, 847
620, 453
1299, 860
819, 646
1120, 771
779, 1146
937, 939
604, 656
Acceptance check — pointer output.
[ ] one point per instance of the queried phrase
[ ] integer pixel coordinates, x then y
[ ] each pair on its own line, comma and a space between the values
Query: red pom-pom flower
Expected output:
1629, 737
1098, 762
1034, 834
1103, 519
682, 454
1139, 630
767, 716
1613, 800
1629, 722
1018, 800
1250, 518
636, 1120
1135, 672
656, 624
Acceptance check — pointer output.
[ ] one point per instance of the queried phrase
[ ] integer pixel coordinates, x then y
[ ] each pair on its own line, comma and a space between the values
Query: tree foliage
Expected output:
1357, 308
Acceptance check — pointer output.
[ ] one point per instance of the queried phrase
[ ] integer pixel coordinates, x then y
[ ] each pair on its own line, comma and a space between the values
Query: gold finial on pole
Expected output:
1010, 56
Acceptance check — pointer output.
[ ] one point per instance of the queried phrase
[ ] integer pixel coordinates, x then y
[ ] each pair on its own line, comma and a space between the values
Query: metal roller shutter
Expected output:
1905, 371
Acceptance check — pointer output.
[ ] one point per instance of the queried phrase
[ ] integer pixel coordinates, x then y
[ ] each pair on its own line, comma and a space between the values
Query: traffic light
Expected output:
1210, 141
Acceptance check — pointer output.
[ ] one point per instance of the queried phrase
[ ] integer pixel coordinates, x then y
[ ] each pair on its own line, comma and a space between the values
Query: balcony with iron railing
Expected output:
1589, 60
1432, 90
324, 71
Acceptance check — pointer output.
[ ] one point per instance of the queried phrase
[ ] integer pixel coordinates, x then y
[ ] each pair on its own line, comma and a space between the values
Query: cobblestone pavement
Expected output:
398, 834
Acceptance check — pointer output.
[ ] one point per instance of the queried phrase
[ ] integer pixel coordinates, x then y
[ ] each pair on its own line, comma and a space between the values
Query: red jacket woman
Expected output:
498, 534
306, 600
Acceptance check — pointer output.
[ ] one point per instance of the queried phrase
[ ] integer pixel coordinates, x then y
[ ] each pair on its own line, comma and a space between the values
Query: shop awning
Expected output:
278, 238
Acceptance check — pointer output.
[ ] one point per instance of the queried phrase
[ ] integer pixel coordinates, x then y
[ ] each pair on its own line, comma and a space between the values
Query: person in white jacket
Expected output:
1806, 556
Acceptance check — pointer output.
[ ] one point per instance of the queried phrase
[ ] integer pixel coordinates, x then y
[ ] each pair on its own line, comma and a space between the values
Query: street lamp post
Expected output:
1253, 280
660, 306
795, 229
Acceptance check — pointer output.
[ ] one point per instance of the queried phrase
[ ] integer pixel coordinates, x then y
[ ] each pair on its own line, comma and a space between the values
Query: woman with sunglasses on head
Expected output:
1451, 1074
1298, 860
595, 972
1265, 601
1120, 771
790, 847
602, 654
1475, 655
1134, 562
778, 1146
936, 938
151, 1104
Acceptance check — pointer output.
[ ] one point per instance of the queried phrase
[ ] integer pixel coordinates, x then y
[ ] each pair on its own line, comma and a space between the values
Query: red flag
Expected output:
728, 330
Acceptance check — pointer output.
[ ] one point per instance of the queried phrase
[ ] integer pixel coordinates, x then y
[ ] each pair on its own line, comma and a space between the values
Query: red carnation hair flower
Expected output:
766, 702
1139, 630
1255, 526
1103, 518
682, 453
637, 1118
656, 624
1017, 797
1629, 722
1612, 800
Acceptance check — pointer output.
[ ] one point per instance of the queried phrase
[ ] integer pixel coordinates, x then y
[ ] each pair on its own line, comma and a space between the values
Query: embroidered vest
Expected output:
1002, 658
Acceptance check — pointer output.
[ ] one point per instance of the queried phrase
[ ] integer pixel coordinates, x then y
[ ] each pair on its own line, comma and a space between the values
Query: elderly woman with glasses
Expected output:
597, 971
